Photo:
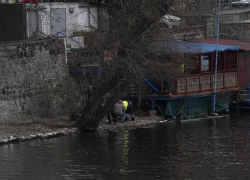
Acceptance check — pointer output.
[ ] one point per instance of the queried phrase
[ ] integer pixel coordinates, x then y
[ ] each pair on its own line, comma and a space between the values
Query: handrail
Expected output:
153, 79
150, 84
146, 80
156, 82
66, 36
200, 89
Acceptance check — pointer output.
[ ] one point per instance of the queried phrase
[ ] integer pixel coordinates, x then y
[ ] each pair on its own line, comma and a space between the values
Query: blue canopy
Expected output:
191, 47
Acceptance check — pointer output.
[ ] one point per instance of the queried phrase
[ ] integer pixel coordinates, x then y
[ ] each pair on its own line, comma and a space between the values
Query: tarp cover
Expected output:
198, 106
191, 47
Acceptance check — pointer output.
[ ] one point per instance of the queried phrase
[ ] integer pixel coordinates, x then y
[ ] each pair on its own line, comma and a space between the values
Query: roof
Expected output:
234, 11
244, 45
191, 47
247, 21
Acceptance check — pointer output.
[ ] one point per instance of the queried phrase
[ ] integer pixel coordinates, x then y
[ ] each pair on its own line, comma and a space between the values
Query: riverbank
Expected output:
41, 128
140, 121
47, 128
36, 129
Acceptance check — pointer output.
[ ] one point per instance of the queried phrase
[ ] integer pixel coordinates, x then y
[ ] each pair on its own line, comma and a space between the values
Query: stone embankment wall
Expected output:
235, 25
33, 77
182, 33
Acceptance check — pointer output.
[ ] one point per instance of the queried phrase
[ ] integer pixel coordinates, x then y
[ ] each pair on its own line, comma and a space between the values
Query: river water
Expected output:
202, 149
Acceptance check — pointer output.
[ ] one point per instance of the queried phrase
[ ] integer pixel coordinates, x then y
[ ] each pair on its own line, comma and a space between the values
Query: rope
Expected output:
217, 44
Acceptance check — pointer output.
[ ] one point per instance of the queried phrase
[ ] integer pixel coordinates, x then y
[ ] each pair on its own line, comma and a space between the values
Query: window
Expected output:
230, 60
204, 63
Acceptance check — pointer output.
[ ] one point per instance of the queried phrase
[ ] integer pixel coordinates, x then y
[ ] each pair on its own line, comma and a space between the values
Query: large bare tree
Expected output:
130, 42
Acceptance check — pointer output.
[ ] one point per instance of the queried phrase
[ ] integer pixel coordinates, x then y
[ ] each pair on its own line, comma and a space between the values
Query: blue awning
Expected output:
191, 47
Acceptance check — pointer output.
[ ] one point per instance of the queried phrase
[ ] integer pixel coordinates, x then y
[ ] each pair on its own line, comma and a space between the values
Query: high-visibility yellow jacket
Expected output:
182, 68
125, 104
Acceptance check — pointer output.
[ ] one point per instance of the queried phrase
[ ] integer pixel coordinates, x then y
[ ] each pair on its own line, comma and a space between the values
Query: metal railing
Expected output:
66, 36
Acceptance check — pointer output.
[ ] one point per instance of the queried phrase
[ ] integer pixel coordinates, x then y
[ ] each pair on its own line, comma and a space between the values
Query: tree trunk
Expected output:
95, 111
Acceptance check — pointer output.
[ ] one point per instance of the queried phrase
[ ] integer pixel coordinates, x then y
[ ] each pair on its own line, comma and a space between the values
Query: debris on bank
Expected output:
143, 121
146, 121
62, 132
41, 128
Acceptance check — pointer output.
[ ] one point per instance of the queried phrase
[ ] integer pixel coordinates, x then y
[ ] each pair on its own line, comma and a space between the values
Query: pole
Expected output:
152, 105
249, 93
215, 71
188, 104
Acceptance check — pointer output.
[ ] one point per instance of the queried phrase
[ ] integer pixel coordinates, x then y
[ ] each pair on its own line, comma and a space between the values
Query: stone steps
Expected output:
244, 96
244, 100
244, 91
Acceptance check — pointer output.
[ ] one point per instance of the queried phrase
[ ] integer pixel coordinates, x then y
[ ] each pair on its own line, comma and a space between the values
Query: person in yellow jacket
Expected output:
125, 104
182, 68
128, 110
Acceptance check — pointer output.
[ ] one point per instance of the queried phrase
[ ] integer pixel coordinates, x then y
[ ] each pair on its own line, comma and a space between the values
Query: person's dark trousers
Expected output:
129, 110
109, 119
114, 117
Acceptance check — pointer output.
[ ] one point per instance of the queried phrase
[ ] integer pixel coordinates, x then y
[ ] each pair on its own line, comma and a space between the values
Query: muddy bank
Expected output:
138, 122
48, 128
147, 121
36, 129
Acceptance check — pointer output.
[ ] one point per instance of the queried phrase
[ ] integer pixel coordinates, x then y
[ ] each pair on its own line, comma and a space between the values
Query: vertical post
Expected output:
224, 61
211, 62
200, 64
238, 66
153, 112
161, 85
188, 106
213, 97
249, 93
37, 18
230, 4
152, 105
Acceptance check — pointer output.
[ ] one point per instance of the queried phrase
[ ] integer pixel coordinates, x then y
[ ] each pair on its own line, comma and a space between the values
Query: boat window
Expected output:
205, 63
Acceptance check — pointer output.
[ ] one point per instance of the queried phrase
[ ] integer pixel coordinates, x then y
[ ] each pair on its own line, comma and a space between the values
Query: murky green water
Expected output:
204, 149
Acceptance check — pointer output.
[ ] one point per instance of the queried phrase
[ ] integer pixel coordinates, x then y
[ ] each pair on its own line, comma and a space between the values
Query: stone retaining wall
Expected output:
31, 73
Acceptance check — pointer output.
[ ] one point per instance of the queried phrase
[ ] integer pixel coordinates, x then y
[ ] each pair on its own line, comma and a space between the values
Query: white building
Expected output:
68, 18
59, 19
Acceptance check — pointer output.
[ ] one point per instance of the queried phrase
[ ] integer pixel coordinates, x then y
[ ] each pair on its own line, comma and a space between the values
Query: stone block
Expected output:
20, 77
152, 113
